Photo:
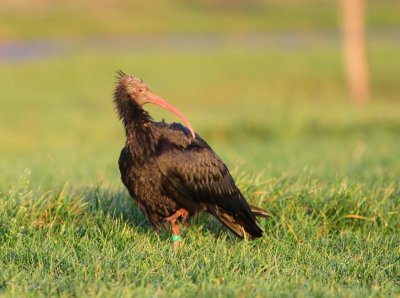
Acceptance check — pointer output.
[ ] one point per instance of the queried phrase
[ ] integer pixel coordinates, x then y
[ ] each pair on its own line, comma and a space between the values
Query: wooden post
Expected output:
354, 46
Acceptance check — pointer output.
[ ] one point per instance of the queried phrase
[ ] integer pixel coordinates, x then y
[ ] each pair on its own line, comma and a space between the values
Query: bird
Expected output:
171, 172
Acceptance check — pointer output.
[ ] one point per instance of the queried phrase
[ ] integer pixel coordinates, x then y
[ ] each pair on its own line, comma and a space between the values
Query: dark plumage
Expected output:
171, 171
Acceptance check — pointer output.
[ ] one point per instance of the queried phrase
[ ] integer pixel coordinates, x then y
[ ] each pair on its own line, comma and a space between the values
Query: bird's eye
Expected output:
140, 90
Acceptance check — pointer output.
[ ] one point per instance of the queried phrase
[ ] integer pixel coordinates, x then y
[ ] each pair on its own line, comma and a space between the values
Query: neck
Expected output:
139, 136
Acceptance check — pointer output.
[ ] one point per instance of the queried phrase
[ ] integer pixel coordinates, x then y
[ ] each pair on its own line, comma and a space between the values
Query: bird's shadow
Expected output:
117, 204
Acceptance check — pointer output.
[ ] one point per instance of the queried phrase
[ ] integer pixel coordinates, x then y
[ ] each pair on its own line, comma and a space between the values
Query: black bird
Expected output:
171, 171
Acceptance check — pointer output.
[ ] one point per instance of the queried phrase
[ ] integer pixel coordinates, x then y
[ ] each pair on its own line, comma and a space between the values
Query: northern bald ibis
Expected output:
171, 171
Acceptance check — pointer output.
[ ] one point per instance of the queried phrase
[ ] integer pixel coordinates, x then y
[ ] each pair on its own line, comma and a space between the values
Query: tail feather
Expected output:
258, 212
238, 223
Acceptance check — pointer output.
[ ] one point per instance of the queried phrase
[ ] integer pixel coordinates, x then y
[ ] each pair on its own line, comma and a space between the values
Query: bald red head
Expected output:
131, 88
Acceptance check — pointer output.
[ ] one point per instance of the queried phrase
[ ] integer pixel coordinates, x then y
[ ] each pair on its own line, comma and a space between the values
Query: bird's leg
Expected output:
175, 234
180, 213
173, 219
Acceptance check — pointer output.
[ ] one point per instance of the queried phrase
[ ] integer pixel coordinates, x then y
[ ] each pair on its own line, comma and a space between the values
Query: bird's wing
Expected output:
200, 175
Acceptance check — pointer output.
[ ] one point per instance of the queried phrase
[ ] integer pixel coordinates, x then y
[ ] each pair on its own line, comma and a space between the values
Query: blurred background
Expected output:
265, 82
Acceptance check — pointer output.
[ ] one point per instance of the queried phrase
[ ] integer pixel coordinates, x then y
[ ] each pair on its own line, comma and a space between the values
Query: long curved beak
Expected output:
155, 99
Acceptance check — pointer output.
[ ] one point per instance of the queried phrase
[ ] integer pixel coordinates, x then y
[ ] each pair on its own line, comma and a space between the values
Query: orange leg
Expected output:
175, 225
180, 213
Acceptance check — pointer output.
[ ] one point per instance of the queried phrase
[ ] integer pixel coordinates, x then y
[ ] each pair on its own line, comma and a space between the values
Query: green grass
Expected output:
327, 171
95, 242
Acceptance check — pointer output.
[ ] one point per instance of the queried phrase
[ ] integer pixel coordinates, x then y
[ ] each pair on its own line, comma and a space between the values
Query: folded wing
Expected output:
201, 176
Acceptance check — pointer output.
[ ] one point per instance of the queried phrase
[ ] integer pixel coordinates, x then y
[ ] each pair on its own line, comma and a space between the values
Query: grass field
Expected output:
326, 170
45, 18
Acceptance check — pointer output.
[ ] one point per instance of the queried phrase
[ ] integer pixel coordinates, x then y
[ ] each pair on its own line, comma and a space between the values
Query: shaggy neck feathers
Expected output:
140, 140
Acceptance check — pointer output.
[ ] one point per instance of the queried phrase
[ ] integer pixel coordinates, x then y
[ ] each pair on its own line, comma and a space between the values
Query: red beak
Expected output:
155, 99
